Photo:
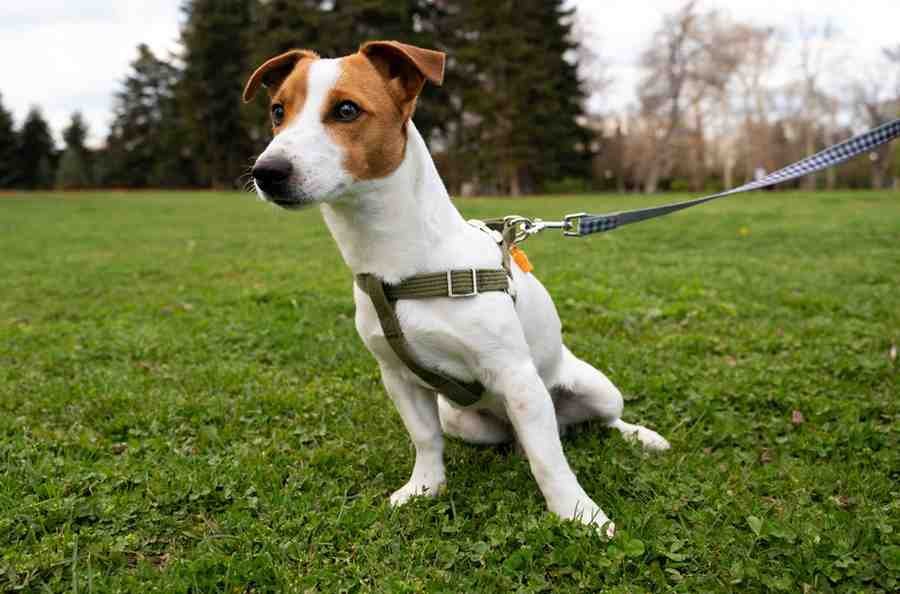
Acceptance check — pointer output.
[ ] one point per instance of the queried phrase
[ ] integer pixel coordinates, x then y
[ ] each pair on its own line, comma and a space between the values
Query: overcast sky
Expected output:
67, 55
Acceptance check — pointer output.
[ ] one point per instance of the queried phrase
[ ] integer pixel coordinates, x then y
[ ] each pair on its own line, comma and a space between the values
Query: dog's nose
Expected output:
271, 172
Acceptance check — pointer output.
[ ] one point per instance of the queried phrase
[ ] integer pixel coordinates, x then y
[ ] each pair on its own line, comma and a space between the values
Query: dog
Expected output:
344, 139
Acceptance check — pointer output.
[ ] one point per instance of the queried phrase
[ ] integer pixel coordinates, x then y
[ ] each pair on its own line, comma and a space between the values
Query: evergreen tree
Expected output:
148, 145
9, 153
36, 152
217, 61
520, 125
74, 170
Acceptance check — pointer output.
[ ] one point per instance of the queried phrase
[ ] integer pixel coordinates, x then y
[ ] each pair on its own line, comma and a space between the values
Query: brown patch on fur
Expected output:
384, 80
291, 94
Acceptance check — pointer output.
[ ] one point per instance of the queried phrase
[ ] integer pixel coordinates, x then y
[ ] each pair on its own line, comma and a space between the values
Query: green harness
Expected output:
450, 284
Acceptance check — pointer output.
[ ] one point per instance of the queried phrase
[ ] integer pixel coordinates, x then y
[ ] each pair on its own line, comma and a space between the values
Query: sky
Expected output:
66, 55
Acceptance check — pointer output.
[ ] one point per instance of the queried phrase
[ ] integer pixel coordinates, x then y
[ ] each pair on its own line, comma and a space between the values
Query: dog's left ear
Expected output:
406, 67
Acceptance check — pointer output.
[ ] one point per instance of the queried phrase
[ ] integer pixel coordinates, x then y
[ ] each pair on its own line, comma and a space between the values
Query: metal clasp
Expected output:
525, 227
572, 224
450, 292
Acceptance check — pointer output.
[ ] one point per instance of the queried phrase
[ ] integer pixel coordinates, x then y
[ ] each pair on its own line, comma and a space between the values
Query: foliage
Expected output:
9, 157
217, 56
147, 146
518, 126
37, 152
185, 406
75, 165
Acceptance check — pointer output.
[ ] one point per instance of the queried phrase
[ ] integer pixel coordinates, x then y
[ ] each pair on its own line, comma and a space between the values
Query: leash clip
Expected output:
525, 227
572, 224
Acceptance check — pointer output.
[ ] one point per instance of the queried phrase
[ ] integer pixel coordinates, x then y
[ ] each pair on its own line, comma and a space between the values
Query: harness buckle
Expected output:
474, 291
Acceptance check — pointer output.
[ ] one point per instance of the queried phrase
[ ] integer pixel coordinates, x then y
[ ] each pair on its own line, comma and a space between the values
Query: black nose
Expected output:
271, 173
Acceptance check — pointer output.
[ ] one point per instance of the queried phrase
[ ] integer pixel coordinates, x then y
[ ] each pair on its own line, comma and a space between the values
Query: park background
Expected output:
536, 99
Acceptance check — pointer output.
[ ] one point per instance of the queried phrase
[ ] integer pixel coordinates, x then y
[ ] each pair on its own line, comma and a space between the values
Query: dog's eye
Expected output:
346, 111
277, 114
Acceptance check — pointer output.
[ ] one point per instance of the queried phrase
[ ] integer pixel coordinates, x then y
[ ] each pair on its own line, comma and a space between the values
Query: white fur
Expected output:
404, 224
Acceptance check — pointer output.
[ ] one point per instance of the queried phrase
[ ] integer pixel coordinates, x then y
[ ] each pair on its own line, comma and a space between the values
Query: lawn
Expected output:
185, 405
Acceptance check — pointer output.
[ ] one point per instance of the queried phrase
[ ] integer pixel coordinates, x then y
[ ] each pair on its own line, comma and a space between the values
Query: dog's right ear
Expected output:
273, 71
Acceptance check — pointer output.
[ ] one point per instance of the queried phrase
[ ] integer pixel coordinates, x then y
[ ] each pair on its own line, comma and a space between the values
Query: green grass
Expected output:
185, 406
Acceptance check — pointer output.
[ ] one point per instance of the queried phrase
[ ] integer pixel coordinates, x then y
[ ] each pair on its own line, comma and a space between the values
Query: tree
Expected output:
521, 102
36, 152
690, 58
74, 170
148, 145
752, 99
9, 150
877, 100
816, 109
217, 58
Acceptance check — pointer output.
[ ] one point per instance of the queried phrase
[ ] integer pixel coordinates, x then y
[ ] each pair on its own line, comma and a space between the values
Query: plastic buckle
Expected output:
450, 292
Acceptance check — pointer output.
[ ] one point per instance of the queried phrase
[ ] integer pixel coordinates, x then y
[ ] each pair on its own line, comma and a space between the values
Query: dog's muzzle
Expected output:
272, 176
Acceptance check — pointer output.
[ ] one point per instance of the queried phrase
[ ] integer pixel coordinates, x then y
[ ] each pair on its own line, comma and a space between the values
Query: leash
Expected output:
582, 223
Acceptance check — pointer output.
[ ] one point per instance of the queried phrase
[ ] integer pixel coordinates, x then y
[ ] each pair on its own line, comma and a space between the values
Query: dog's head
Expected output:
340, 122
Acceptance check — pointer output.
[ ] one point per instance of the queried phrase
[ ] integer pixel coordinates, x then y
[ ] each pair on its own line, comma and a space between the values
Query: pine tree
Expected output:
148, 145
36, 152
9, 153
217, 61
74, 170
521, 112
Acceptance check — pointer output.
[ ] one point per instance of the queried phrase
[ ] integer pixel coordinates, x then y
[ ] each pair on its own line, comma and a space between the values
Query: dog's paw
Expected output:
588, 512
649, 439
416, 489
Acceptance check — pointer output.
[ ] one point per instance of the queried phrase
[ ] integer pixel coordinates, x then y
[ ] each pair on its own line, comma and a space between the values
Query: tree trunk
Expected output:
698, 158
515, 189
651, 181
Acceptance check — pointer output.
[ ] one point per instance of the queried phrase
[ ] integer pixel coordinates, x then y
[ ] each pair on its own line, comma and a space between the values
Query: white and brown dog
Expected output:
344, 139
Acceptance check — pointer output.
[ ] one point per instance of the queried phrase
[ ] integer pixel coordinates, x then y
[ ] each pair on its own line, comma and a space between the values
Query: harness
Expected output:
512, 230
453, 284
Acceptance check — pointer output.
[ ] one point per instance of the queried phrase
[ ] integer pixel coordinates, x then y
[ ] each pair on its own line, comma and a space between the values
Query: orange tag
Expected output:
521, 259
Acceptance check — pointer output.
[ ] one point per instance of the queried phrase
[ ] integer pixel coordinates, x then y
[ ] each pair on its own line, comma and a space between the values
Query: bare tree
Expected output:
877, 99
593, 69
752, 97
816, 109
690, 59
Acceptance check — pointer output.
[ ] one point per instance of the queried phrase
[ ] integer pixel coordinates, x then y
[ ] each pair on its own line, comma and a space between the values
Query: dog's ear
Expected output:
273, 72
406, 67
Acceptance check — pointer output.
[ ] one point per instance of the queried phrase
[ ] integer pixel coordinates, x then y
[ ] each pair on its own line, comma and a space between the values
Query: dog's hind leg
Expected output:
584, 393
473, 426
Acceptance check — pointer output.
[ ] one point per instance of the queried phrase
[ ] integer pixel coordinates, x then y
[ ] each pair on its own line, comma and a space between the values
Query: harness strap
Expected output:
454, 283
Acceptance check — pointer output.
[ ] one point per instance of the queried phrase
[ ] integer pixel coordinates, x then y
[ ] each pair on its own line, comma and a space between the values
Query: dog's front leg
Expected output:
418, 409
530, 409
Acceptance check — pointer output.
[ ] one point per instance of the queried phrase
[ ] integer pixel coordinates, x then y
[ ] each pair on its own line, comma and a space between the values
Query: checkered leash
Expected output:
581, 224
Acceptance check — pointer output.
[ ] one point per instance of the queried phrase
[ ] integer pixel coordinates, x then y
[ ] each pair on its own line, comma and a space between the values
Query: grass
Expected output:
185, 406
